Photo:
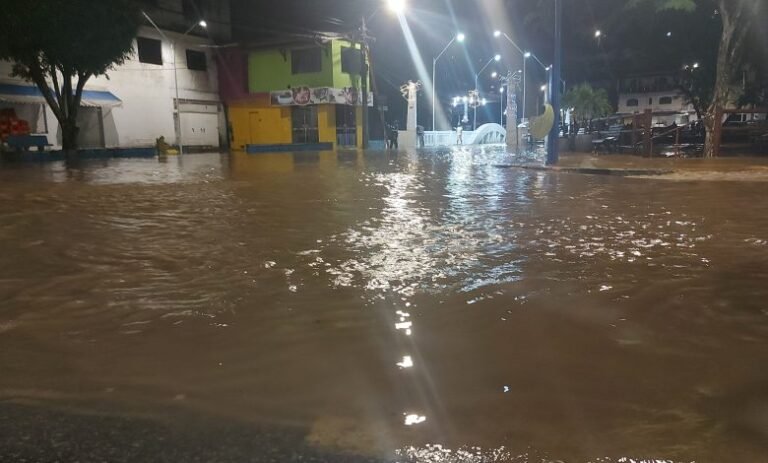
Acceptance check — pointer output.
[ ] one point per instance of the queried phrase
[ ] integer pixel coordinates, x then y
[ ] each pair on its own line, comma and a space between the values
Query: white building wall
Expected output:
148, 92
148, 95
651, 100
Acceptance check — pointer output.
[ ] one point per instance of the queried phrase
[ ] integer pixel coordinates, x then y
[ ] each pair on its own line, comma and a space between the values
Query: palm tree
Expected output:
587, 103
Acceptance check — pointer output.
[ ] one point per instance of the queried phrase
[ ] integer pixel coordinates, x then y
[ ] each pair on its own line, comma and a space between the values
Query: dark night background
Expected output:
633, 41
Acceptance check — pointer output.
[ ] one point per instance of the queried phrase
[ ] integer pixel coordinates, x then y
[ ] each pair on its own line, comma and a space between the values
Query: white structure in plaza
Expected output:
137, 103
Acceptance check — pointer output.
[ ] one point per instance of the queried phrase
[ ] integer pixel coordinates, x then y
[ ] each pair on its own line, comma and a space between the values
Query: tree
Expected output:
588, 103
631, 48
696, 85
60, 44
737, 17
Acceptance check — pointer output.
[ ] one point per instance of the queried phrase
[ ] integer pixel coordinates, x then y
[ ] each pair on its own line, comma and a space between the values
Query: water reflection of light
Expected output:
403, 325
412, 419
407, 362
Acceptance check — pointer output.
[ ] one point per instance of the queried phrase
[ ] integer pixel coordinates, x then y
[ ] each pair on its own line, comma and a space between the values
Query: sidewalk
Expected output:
720, 169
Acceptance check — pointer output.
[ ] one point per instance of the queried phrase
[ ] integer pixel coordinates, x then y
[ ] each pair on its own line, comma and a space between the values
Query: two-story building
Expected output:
293, 95
137, 102
659, 93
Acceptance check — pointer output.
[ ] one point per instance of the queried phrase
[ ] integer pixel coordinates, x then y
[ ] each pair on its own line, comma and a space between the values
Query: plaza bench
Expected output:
24, 142
609, 140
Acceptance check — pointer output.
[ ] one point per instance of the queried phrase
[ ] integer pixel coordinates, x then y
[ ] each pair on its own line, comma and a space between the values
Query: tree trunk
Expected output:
737, 16
721, 94
69, 132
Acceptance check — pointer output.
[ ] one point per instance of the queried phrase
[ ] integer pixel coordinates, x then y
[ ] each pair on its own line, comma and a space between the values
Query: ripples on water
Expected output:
396, 302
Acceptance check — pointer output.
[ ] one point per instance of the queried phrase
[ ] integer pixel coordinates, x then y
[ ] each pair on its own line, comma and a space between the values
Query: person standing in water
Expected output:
459, 135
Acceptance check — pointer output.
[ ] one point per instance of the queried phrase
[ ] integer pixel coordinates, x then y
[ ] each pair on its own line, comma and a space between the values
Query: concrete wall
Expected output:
259, 125
343, 79
232, 64
270, 70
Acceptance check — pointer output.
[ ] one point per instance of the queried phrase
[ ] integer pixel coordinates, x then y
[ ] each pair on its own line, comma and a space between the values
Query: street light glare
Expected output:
527, 54
669, 34
695, 65
460, 37
598, 33
501, 90
396, 6
203, 24
497, 33
543, 88
494, 74
497, 57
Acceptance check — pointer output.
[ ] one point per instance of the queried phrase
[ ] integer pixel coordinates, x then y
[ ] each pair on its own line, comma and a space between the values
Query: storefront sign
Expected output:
302, 96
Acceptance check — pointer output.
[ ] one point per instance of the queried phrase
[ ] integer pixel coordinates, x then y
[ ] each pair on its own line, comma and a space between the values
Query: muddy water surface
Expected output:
411, 306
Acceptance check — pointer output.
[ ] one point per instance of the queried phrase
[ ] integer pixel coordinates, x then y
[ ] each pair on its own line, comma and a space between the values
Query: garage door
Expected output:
200, 129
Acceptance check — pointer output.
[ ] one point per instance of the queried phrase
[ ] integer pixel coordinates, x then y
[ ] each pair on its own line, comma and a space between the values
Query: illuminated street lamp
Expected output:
497, 58
460, 37
523, 72
691, 67
494, 75
177, 126
396, 6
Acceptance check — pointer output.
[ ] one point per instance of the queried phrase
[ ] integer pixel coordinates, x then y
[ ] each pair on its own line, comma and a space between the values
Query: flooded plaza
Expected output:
419, 307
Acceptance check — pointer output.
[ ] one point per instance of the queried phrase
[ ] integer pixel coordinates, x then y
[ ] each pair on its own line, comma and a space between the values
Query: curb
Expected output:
591, 170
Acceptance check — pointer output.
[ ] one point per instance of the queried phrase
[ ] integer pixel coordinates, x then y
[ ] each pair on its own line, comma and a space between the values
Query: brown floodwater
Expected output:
435, 307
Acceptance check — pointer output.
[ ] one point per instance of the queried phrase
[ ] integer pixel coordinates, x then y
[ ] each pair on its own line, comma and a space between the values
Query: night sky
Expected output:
633, 40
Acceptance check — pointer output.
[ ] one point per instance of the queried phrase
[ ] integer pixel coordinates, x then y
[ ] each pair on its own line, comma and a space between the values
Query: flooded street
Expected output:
407, 307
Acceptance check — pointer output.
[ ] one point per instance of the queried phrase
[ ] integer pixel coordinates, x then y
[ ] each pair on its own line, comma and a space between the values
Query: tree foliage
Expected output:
661, 5
737, 17
697, 86
588, 103
60, 44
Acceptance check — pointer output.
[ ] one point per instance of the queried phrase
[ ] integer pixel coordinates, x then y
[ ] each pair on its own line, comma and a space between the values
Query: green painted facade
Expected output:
270, 70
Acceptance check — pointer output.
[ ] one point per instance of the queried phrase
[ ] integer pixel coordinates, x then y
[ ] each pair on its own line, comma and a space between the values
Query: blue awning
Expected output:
29, 94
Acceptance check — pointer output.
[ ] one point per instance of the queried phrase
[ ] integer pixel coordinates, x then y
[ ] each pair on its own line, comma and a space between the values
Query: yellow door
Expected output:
256, 128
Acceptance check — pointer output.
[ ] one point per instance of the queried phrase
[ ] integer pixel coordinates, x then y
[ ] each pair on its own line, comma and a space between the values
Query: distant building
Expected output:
293, 93
137, 103
658, 92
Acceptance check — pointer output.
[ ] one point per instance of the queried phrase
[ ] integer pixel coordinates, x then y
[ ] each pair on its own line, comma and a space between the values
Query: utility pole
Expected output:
364, 39
553, 147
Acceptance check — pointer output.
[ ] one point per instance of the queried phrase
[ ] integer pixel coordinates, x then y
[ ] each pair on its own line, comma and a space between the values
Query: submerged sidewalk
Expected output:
719, 169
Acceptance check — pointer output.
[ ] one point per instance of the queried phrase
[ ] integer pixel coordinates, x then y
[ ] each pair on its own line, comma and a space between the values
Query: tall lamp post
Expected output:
496, 58
460, 37
526, 55
553, 147
396, 7
177, 126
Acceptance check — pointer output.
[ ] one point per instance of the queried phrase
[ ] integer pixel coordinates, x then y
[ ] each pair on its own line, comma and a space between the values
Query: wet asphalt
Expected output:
32, 434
